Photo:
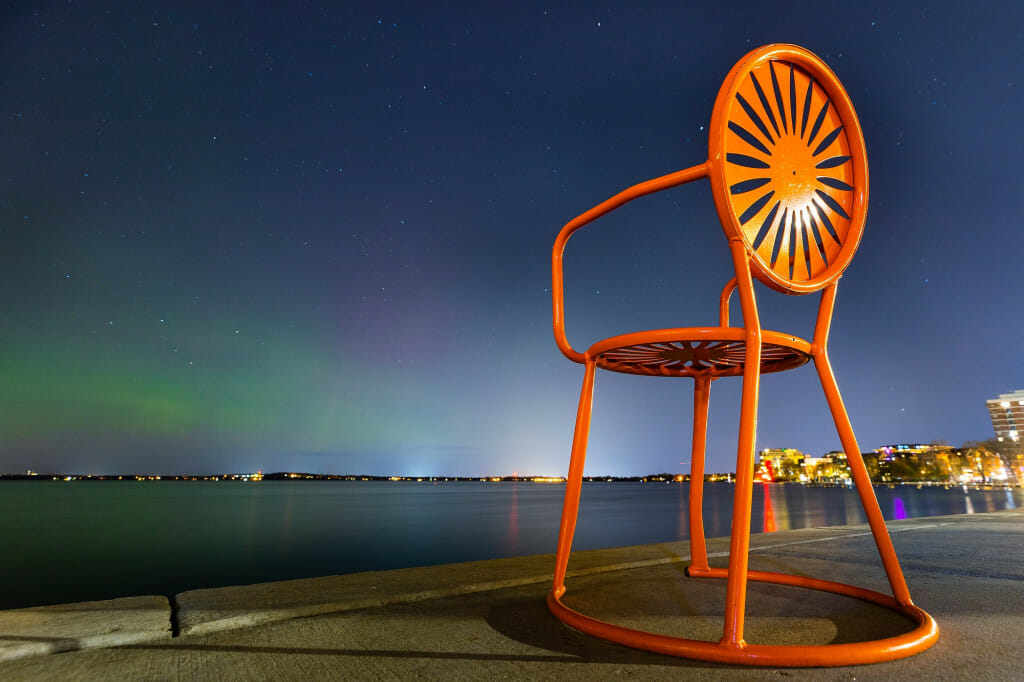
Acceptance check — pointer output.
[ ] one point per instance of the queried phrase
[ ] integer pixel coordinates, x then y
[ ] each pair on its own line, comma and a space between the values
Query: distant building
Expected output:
908, 462
1007, 413
905, 449
838, 458
831, 467
780, 464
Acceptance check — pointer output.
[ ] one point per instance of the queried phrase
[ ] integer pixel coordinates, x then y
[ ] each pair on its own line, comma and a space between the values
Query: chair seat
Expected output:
696, 351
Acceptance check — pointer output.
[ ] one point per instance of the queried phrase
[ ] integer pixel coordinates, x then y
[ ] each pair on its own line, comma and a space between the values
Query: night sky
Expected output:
283, 236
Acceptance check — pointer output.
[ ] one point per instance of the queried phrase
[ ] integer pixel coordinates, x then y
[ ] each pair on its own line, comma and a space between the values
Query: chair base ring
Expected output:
852, 653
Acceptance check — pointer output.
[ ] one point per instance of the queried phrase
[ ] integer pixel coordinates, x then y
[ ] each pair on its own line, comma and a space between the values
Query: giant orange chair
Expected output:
789, 177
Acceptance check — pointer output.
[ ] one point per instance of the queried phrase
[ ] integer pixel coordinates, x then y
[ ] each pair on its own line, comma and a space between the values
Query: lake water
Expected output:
77, 541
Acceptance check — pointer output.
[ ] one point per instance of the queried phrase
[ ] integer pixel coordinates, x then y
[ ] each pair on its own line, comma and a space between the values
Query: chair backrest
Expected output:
788, 168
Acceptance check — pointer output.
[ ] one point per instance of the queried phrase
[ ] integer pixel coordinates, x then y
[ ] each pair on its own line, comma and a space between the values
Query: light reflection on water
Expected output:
92, 540
769, 511
512, 537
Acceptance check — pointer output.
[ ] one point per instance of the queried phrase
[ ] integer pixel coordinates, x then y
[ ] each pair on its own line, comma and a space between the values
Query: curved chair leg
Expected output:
698, 545
574, 480
862, 481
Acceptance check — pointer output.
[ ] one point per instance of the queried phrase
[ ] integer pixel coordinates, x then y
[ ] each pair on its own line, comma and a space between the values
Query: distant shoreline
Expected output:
293, 476
305, 476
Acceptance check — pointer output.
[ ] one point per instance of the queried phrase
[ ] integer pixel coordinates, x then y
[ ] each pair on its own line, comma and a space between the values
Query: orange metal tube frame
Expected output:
698, 546
739, 542
732, 648
723, 302
920, 638
607, 206
574, 480
819, 350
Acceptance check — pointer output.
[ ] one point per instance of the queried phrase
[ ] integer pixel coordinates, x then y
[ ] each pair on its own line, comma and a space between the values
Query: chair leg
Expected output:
739, 539
574, 480
862, 481
698, 544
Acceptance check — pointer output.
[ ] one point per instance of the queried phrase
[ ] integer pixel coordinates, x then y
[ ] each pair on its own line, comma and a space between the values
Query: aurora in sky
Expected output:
317, 238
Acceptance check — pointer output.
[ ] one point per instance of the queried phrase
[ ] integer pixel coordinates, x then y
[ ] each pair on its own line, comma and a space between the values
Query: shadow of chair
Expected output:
789, 177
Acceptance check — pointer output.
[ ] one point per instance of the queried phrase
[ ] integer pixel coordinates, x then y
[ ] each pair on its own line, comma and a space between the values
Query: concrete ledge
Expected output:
227, 608
86, 625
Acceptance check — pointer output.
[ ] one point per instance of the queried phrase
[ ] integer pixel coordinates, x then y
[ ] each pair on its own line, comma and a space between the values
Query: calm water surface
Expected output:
96, 540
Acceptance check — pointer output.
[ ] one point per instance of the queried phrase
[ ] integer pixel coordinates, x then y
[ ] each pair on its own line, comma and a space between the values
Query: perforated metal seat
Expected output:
696, 351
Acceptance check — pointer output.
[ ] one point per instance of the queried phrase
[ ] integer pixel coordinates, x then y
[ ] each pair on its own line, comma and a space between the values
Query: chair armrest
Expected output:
607, 206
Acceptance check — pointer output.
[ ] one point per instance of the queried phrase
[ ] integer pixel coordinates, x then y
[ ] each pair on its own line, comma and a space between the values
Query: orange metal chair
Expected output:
789, 177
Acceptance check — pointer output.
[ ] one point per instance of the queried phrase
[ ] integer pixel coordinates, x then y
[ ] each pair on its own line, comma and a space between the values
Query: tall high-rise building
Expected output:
1007, 412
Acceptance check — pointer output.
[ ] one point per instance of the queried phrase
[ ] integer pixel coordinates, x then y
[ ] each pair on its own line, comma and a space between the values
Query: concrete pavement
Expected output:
488, 619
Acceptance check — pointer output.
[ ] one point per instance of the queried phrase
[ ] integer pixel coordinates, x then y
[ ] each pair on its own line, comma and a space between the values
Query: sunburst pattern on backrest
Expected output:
791, 169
